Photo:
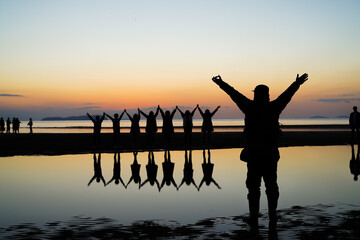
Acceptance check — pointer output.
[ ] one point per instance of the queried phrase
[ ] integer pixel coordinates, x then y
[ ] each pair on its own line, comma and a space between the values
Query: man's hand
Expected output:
217, 79
302, 79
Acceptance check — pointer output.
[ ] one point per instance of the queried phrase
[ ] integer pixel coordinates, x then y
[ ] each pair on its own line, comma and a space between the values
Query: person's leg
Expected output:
253, 183
272, 191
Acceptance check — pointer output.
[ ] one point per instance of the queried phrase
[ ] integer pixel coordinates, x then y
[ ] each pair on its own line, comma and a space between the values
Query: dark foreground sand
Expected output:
309, 222
76, 143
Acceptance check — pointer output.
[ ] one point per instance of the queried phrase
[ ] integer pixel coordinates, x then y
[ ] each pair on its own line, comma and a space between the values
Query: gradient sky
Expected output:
62, 58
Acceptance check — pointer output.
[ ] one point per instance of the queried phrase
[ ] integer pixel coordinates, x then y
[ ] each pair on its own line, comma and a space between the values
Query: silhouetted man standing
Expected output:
354, 121
261, 142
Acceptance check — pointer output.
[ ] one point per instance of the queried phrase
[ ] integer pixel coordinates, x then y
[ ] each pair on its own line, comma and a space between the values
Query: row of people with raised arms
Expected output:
151, 125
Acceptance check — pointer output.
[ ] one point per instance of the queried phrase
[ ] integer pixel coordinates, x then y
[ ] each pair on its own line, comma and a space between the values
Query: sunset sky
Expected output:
63, 58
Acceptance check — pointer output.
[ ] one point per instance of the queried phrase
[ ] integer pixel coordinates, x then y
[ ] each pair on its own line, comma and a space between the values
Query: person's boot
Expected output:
253, 219
272, 206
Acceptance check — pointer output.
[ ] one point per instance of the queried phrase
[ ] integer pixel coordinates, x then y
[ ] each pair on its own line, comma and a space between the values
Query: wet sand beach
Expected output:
78, 143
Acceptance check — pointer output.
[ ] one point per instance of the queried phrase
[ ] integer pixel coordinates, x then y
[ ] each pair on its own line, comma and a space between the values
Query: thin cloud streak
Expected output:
10, 95
333, 100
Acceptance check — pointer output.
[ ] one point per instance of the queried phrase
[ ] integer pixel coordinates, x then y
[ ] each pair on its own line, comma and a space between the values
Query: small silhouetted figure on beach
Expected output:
354, 163
135, 127
262, 132
151, 126
151, 171
207, 126
168, 127
97, 170
30, 124
97, 128
8, 125
135, 171
16, 125
208, 169
116, 127
2, 125
188, 171
168, 171
354, 121
116, 171
188, 125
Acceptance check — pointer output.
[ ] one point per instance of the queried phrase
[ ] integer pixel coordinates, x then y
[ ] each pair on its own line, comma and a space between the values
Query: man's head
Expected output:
261, 94
355, 108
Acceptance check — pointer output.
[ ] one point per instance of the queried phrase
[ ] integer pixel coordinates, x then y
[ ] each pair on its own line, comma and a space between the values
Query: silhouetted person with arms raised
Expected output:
188, 171
8, 125
207, 126
135, 171
188, 125
151, 171
261, 142
135, 127
97, 128
30, 124
151, 126
97, 170
116, 171
354, 121
354, 163
168, 171
168, 127
208, 169
2, 125
116, 127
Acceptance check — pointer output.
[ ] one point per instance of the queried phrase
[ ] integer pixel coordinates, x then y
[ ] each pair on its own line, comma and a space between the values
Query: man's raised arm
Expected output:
240, 100
286, 96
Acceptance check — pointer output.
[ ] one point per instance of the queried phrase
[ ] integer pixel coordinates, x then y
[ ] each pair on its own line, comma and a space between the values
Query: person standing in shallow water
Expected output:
207, 126
135, 127
354, 121
116, 127
30, 124
261, 142
97, 128
151, 126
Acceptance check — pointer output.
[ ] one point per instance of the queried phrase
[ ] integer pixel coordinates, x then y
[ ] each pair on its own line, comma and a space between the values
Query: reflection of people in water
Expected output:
187, 124
168, 127
97, 170
151, 126
208, 169
97, 128
135, 127
168, 171
207, 126
261, 142
188, 171
116, 127
354, 163
151, 170
116, 171
135, 171
354, 121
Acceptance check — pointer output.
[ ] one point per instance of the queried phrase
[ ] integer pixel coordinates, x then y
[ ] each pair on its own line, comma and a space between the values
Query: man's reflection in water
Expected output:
151, 170
208, 169
168, 171
97, 170
188, 171
135, 171
116, 170
354, 163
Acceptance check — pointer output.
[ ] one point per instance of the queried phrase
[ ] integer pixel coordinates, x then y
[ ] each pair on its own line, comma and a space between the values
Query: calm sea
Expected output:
85, 126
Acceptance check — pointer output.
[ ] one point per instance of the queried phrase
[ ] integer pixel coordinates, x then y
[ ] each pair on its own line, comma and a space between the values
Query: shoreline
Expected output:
82, 143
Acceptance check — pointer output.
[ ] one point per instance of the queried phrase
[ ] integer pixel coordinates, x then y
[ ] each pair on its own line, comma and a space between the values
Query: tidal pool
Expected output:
41, 189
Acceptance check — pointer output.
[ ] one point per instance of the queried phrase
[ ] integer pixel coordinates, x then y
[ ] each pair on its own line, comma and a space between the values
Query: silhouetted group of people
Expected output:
15, 122
151, 126
152, 168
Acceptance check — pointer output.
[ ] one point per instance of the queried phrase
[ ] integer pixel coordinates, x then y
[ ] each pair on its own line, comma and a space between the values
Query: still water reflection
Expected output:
40, 189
